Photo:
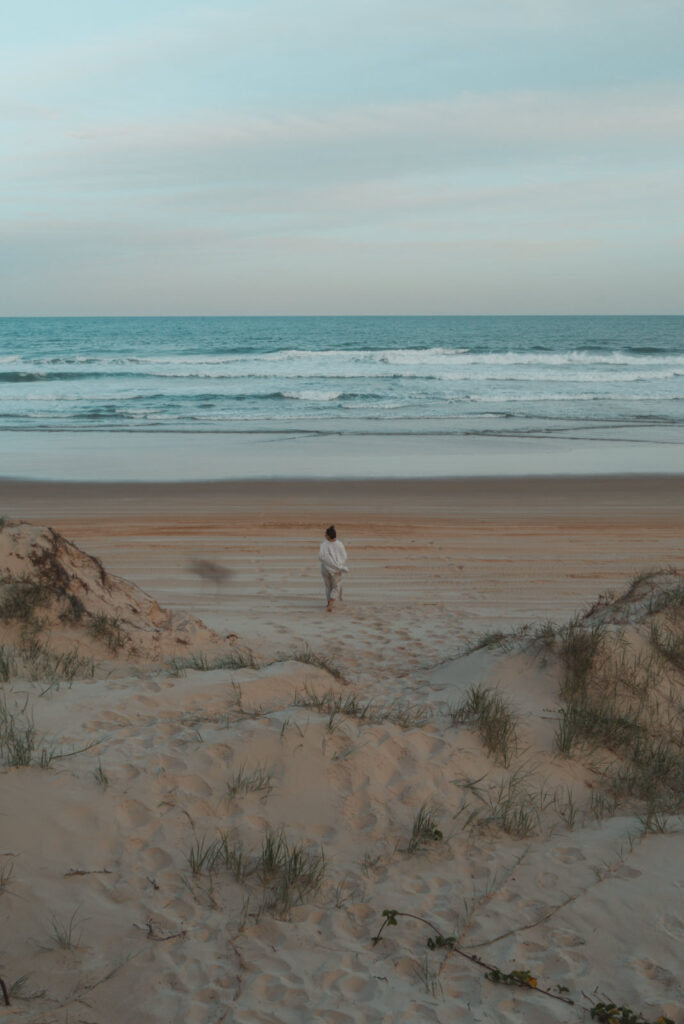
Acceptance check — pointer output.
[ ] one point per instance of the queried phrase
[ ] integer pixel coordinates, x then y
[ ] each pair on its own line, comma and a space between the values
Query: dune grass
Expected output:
17, 737
259, 780
7, 663
668, 643
514, 806
200, 662
425, 828
307, 656
107, 629
65, 934
20, 597
405, 714
290, 874
493, 718
285, 874
628, 700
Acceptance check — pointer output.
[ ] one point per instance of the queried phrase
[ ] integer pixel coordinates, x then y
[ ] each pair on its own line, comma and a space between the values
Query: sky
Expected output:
163, 157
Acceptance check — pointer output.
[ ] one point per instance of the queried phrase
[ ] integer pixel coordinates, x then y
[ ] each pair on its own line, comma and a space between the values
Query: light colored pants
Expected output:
333, 584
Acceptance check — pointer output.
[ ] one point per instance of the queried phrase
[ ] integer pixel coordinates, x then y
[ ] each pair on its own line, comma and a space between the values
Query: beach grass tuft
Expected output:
74, 611
6, 664
17, 737
107, 629
20, 596
596, 724
259, 780
19, 989
405, 714
205, 854
515, 807
579, 650
307, 656
101, 776
288, 874
425, 828
494, 719
200, 662
64, 934
668, 643
625, 697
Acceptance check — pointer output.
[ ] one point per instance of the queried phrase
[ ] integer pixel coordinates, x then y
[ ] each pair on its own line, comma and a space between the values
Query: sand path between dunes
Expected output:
432, 562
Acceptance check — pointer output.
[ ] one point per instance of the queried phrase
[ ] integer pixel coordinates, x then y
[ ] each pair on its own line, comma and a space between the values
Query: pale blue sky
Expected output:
500, 156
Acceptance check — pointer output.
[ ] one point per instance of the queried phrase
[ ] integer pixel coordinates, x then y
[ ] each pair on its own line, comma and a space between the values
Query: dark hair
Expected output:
331, 533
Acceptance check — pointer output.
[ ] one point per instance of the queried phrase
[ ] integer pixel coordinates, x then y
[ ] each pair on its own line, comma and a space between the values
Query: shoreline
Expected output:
283, 455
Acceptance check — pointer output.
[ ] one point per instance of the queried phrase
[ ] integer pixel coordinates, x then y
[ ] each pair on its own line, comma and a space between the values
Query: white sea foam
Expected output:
175, 376
398, 357
313, 396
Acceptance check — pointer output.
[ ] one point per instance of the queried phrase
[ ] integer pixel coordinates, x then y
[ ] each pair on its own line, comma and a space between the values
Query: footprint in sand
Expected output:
624, 871
674, 926
366, 822
566, 939
654, 972
194, 785
146, 702
568, 854
547, 880
532, 947
163, 763
415, 885
154, 858
112, 718
132, 814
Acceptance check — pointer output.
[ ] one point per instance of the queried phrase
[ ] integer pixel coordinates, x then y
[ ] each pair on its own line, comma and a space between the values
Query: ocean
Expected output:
449, 376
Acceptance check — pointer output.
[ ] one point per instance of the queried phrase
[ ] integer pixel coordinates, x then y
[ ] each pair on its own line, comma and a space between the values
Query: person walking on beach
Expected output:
333, 559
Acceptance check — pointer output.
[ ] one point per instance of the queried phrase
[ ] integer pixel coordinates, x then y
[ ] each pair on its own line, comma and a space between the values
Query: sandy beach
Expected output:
133, 886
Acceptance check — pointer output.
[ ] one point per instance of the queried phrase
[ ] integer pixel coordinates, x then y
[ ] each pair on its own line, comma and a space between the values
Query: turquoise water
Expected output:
461, 375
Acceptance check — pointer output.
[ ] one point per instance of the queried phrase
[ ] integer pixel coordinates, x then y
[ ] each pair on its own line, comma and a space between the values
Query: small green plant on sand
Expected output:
309, 657
492, 716
668, 643
257, 781
17, 737
609, 1013
6, 664
424, 829
20, 596
108, 630
289, 874
200, 662
64, 934
402, 713
19, 989
581, 648
204, 855
606, 1013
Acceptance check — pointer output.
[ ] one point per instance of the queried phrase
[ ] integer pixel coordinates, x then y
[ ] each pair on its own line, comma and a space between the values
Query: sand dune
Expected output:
214, 835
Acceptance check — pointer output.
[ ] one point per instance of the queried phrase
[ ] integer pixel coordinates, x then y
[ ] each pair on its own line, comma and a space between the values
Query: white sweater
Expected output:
332, 556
